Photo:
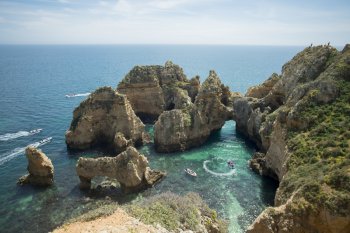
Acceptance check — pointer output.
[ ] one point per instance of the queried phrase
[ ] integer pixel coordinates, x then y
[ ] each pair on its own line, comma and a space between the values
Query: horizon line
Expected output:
160, 44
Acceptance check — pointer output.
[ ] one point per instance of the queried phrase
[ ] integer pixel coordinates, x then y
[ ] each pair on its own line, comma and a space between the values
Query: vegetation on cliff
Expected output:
175, 212
320, 158
303, 126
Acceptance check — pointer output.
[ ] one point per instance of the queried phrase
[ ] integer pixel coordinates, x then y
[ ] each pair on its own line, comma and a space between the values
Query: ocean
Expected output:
34, 80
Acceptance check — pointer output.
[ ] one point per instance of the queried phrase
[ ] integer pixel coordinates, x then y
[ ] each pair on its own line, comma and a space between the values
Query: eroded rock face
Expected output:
154, 89
284, 219
130, 168
105, 118
180, 129
262, 90
40, 168
275, 117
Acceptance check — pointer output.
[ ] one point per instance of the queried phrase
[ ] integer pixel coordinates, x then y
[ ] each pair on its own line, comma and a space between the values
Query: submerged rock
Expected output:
105, 118
130, 168
154, 89
40, 169
299, 121
181, 129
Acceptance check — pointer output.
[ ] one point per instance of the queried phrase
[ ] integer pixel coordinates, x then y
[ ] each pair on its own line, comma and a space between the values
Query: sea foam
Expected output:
20, 150
11, 136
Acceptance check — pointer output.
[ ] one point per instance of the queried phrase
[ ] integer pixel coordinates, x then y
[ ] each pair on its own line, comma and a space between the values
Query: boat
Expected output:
35, 131
70, 95
231, 164
45, 140
190, 172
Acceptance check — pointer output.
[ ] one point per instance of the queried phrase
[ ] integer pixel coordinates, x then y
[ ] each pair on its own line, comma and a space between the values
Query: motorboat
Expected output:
34, 131
70, 95
190, 172
231, 164
45, 140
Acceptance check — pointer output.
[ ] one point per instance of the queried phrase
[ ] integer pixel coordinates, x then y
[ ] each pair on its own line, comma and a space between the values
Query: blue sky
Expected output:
249, 22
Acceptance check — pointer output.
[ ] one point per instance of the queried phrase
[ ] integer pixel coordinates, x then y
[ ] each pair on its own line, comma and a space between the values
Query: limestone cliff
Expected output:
130, 168
154, 89
300, 121
105, 118
40, 168
180, 129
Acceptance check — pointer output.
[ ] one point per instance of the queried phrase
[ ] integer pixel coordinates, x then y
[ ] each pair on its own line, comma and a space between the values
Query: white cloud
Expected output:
169, 22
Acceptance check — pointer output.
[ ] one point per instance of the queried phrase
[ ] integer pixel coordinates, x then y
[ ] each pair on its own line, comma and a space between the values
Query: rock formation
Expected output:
40, 169
299, 120
180, 129
154, 89
130, 168
105, 118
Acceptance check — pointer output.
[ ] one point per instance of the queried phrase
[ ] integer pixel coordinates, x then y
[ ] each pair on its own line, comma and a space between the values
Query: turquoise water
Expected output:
33, 83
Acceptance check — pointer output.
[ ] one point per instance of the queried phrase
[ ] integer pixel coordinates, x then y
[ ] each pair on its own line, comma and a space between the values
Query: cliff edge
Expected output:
300, 121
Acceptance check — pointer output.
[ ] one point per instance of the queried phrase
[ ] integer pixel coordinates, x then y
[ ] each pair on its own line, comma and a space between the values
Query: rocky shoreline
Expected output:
299, 120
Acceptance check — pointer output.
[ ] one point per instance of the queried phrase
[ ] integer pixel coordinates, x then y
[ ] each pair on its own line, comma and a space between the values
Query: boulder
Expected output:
40, 169
181, 129
129, 168
107, 119
154, 89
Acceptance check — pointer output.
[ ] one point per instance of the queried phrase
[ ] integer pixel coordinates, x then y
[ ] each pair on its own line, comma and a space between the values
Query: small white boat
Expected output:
46, 140
70, 95
35, 131
190, 172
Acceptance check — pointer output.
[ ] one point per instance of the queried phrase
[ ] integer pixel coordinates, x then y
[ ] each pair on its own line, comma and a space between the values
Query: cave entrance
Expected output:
170, 107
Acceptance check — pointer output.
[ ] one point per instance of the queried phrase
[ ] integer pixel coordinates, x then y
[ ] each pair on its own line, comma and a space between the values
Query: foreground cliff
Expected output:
107, 119
162, 213
181, 129
300, 121
154, 89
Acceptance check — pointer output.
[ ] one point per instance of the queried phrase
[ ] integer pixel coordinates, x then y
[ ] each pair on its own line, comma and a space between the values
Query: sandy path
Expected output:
118, 222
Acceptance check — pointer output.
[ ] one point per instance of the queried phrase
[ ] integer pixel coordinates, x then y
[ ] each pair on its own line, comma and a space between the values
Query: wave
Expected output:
230, 173
20, 150
77, 95
11, 136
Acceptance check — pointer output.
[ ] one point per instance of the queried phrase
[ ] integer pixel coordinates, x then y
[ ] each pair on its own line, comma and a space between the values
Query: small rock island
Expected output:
40, 168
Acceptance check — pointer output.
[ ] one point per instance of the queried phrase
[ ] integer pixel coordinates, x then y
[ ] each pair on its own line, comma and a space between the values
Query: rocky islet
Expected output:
40, 168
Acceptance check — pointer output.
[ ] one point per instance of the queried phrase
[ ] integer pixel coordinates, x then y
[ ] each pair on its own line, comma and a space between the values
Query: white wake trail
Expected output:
11, 136
230, 173
20, 150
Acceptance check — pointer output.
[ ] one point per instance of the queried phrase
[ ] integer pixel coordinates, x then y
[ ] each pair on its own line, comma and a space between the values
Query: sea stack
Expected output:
154, 89
40, 169
130, 168
181, 129
106, 119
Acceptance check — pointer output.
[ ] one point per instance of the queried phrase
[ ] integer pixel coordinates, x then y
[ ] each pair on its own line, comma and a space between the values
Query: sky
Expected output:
222, 22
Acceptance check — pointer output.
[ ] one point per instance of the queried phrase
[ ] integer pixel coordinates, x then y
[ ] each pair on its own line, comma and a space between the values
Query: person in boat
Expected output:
230, 163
